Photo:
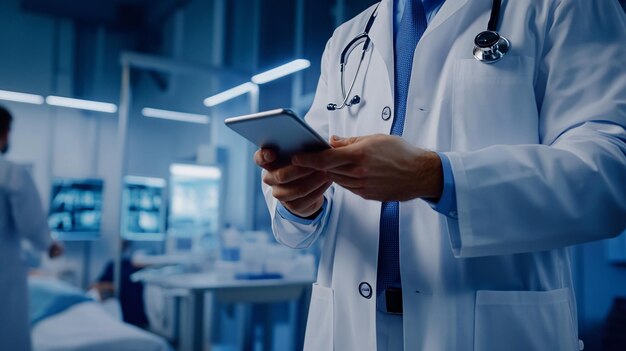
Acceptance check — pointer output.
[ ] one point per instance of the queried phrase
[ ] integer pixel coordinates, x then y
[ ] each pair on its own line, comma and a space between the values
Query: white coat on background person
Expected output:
537, 145
21, 217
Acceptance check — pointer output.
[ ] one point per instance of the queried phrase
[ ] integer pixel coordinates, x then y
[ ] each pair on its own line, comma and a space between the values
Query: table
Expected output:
195, 329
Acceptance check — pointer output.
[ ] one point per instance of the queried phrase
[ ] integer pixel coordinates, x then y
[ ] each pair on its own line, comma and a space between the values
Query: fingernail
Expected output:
336, 138
268, 156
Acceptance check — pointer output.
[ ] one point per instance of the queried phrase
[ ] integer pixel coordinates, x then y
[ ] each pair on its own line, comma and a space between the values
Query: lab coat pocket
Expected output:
524, 320
493, 103
320, 324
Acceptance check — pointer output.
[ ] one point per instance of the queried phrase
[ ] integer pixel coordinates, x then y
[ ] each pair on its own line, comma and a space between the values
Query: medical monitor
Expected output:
143, 209
76, 209
194, 200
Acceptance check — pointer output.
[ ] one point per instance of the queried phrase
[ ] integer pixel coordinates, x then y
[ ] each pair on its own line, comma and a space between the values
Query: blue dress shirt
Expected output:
447, 202
283, 212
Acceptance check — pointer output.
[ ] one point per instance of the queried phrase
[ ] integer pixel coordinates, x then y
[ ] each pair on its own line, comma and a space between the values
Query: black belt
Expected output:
393, 300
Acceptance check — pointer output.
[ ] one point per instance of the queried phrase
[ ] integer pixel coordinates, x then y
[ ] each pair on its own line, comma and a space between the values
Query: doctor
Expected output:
21, 217
463, 247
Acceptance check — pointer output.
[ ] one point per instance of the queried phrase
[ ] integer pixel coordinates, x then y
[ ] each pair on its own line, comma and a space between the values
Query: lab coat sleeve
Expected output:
447, 202
27, 211
301, 234
571, 188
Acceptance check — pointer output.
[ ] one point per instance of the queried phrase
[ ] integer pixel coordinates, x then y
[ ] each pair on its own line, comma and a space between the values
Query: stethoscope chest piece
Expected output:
490, 47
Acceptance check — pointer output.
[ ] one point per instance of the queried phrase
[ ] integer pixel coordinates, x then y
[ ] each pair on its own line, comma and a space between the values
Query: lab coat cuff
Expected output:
459, 229
285, 214
447, 202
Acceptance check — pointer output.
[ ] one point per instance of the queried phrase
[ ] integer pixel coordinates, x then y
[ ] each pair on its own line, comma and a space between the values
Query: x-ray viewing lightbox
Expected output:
143, 209
194, 200
76, 209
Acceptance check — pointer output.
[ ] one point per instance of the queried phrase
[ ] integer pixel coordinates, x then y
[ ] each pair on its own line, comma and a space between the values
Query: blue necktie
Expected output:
410, 30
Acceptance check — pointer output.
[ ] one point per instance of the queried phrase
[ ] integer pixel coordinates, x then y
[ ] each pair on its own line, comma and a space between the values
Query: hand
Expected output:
299, 189
379, 167
55, 250
104, 289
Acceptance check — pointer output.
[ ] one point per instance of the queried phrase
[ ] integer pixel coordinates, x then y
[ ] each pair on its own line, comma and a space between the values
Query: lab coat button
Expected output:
454, 214
365, 290
386, 115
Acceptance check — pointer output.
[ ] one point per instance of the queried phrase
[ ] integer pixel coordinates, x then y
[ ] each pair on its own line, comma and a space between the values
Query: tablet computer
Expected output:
280, 130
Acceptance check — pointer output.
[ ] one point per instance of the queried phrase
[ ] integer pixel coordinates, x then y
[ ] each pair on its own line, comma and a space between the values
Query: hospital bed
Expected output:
66, 319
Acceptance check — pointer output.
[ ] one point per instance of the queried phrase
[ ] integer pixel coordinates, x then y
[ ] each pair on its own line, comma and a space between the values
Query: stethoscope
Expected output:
489, 47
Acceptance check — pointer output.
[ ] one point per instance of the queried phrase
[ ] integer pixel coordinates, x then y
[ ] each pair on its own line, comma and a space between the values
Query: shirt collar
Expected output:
429, 6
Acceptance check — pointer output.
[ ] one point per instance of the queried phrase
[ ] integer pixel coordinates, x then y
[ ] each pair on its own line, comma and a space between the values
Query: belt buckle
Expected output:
393, 301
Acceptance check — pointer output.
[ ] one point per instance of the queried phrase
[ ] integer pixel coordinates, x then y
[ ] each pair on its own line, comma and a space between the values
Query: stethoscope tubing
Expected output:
343, 87
488, 53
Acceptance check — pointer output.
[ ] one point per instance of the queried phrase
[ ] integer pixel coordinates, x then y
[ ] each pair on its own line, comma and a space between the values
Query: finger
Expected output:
286, 175
324, 160
345, 181
309, 202
264, 157
337, 141
299, 189
291, 173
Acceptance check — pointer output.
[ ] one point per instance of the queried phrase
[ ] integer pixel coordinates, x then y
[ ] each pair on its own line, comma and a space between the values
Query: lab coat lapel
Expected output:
449, 8
382, 30
382, 36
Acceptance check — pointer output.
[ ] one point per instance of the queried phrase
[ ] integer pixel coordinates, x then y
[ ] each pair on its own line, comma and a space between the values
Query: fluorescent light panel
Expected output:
175, 115
195, 171
21, 97
281, 71
148, 181
81, 104
229, 94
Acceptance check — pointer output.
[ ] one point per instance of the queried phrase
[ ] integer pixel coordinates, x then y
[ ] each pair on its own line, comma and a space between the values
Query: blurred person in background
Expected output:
21, 217
131, 292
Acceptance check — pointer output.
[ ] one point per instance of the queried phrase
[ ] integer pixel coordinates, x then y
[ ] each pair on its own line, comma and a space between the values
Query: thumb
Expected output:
336, 141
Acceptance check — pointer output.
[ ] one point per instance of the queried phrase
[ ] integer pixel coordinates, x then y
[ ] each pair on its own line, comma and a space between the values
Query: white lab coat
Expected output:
537, 144
21, 217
